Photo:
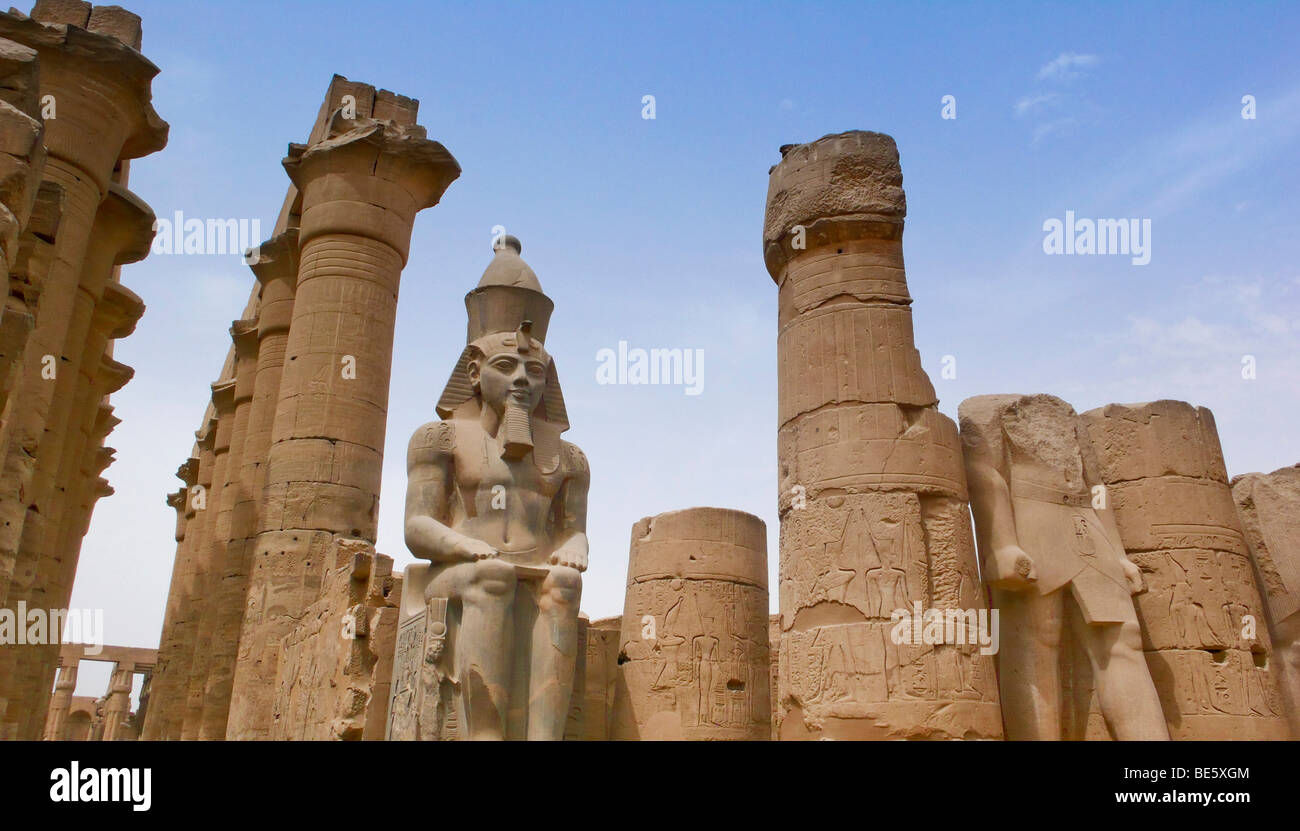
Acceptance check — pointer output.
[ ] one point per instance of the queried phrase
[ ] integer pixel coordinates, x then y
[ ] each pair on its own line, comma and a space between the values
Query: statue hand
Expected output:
1012, 569
1133, 575
472, 549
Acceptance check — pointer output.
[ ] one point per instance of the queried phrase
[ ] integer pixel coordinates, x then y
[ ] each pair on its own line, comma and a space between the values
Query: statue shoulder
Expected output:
432, 441
575, 461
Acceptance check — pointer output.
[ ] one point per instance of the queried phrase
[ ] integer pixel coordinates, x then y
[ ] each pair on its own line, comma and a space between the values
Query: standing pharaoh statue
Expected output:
497, 502
1051, 552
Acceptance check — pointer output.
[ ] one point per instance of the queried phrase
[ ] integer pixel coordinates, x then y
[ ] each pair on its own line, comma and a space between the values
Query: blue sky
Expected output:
649, 231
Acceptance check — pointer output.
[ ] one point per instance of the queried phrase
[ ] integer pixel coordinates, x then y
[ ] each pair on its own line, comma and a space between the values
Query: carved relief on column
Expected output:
872, 493
1269, 508
693, 654
1202, 617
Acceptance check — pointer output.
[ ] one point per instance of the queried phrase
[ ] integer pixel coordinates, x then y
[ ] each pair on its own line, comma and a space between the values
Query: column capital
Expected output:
113, 375
117, 311
104, 424
203, 437
101, 88
103, 457
243, 333
188, 472
369, 178
124, 228
276, 258
276, 270
223, 397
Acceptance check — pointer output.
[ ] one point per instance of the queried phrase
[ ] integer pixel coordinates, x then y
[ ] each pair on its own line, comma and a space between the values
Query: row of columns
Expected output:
113, 725
290, 458
95, 113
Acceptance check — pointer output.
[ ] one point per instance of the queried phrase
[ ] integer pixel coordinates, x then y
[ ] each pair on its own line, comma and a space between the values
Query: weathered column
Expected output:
1203, 625
103, 310
228, 552
151, 724
873, 500
1269, 508
164, 695
693, 660
361, 189
211, 559
276, 269
61, 702
600, 678
192, 600
100, 87
23, 160
122, 232
117, 707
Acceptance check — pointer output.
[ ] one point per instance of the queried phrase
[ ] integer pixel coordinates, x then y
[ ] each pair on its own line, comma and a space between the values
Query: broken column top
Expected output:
700, 543
852, 176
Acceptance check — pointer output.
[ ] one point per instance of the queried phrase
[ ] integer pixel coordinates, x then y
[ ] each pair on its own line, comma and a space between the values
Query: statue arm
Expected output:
1006, 565
571, 512
430, 476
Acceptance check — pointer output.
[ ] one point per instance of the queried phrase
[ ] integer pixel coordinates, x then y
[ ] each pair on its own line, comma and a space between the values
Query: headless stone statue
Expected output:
498, 503
1050, 557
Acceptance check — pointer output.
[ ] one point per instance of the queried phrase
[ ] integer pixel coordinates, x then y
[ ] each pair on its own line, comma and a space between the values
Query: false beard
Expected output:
517, 431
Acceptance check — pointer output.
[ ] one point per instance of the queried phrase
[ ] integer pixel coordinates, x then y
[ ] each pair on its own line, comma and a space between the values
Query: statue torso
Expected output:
509, 504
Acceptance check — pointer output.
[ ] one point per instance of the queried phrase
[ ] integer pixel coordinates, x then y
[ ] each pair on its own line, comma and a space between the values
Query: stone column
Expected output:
600, 678
61, 703
192, 601
164, 706
57, 550
151, 724
103, 310
1203, 625
693, 648
276, 269
228, 553
100, 87
361, 189
118, 705
23, 159
1269, 508
873, 500
122, 232
211, 560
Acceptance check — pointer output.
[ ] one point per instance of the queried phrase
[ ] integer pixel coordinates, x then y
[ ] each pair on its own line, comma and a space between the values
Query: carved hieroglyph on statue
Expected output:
488, 636
1050, 555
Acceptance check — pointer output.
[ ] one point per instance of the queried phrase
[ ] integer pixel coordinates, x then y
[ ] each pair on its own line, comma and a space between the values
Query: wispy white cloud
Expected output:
1046, 129
1030, 103
1175, 170
1066, 66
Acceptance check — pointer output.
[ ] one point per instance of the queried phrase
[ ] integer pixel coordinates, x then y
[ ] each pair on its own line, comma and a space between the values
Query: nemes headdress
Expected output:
509, 311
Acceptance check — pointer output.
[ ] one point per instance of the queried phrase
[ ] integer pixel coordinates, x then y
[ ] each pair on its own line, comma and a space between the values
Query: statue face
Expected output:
509, 376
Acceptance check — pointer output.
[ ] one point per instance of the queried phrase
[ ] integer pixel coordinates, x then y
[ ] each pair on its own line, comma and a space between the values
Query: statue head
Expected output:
505, 366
